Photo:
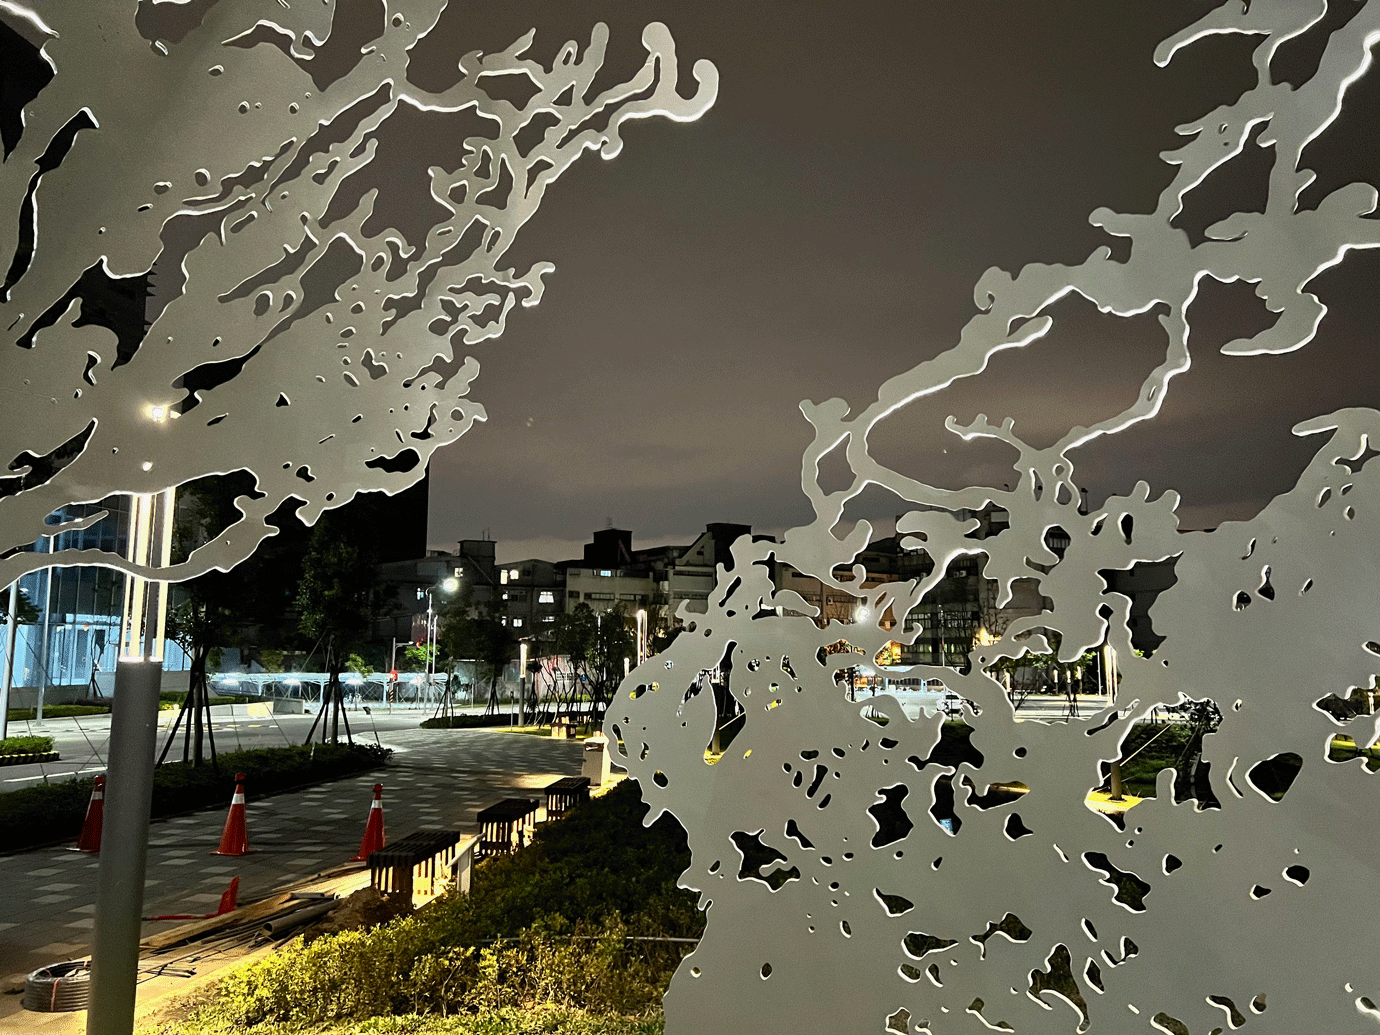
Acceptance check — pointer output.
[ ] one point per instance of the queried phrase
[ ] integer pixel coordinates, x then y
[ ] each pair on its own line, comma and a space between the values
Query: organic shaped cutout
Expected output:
1059, 981
1131, 890
794, 831
1002, 793
895, 905
1009, 927
977, 1006
1354, 464
1343, 710
756, 856
1015, 829
1297, 874
1346, 749
918, 945
943, 808
1275, 775
1234, 1017
892, 822
1092, 974
1169, 1025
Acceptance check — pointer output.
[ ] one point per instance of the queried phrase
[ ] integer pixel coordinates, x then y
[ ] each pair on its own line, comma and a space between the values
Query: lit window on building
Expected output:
513, 574
503, 576
546, 596
517, 623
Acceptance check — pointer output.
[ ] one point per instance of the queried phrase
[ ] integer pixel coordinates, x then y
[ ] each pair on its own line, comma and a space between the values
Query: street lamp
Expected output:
522, 683
641, 635
448, 585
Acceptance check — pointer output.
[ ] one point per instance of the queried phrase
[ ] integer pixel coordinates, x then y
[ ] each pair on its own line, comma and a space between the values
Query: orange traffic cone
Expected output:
234, 840
227, 905
90, 839
373, 829
228, 900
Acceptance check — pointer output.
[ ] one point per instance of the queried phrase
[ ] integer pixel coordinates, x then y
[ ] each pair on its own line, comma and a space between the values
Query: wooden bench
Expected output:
423, 864
507, 826
565, 793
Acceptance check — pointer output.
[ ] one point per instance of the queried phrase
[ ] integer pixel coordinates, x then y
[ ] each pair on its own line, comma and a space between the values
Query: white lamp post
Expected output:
641, 636
522, 683
449, 585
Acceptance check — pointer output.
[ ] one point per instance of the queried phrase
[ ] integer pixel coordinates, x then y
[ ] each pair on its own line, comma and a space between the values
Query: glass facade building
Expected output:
77, 628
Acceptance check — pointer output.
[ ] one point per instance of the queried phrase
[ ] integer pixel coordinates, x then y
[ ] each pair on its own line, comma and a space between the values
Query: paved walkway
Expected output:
437, 779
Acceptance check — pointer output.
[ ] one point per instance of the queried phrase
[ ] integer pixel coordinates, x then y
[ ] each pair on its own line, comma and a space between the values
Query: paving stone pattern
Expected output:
437, 779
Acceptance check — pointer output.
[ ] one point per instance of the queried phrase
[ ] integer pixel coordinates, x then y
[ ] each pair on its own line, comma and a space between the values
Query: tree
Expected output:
478, 634
208, 610
338, 598
1201, 717
25, 612
1031, 673
596, 646
417, 657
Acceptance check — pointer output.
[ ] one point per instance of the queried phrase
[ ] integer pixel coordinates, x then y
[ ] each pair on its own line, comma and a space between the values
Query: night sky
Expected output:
821, 228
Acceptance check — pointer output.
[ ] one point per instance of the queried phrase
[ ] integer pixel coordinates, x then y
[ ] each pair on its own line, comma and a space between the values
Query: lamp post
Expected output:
133, 739
522, 683
641, 635
448, 585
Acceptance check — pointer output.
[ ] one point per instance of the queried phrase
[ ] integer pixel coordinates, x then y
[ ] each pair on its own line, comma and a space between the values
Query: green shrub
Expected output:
402, 966
54, 811
169, 699
541, 1020
553, 925
58, 711
26, 745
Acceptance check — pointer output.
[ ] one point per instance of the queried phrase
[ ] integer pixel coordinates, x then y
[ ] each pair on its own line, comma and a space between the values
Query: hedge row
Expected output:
54, 811
57, 711
545, 1020
466, 722
547, 929
26, 745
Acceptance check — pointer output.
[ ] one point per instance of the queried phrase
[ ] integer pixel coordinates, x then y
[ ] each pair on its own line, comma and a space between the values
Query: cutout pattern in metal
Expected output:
264, 245
855, 883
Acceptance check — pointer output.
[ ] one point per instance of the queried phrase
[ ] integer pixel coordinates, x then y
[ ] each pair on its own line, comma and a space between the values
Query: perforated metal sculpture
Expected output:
319, 238
838, 902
